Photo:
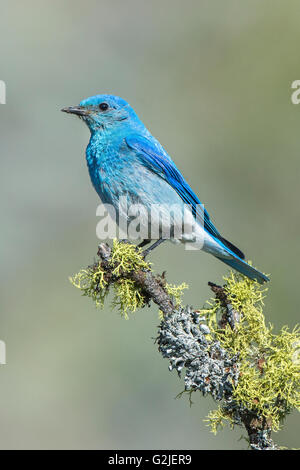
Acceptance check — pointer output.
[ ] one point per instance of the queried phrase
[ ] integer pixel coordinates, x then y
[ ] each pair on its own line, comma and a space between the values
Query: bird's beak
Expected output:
79, 110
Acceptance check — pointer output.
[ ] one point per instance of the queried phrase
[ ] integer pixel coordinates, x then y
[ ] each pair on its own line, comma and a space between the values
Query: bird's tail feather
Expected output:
232, 247
244, 268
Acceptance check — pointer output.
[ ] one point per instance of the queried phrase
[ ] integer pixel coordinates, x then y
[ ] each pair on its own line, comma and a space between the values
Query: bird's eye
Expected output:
103, 106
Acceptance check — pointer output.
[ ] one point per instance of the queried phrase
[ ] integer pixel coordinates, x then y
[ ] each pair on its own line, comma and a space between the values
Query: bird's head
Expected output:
103, 111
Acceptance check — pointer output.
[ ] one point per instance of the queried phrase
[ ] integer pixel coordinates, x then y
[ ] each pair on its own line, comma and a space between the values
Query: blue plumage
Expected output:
124, 159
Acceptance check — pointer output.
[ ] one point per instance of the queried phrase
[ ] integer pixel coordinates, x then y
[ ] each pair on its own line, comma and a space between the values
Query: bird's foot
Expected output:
144, 243
151, 248
124, 240
137, 247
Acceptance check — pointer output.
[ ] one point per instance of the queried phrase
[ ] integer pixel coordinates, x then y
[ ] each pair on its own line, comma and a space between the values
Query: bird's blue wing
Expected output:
155, 158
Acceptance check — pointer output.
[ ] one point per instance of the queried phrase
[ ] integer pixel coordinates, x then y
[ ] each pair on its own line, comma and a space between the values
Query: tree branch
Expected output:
195, 345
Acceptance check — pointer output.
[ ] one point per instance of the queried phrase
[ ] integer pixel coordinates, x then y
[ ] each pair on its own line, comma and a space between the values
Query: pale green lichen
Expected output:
218, 418
92, 284
269, 381
126, 257
268, 364
127, 297
176, 292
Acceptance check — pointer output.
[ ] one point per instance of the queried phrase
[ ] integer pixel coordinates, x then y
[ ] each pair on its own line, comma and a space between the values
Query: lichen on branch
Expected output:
134, 285
269, 378
225, 350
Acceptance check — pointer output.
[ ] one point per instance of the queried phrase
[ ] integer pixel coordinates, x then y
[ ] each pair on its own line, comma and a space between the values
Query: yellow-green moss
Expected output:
176, 292
92, 284
126, 257
127, 297
269, 381
269, 363
218, 418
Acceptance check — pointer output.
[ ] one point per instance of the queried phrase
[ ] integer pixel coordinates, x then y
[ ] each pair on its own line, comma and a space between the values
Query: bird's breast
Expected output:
111, 171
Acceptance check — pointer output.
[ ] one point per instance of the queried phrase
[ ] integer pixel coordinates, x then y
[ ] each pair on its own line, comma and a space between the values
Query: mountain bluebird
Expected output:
125, 160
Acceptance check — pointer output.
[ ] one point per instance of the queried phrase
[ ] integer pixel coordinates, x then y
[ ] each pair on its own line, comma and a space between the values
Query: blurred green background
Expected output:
212, 81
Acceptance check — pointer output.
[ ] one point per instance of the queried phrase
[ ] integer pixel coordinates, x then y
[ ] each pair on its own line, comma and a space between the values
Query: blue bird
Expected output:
125, 160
